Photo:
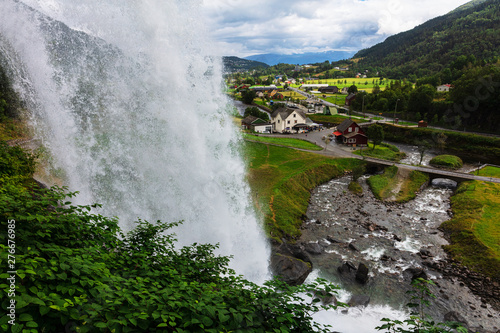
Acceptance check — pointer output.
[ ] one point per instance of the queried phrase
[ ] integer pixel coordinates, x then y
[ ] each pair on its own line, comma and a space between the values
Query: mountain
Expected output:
235, 64
301, 58
472, 30
469, 5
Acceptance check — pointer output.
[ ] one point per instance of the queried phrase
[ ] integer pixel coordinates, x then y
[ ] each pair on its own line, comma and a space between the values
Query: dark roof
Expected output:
344, 125
285, 112
249, 120
351, 96
350, 135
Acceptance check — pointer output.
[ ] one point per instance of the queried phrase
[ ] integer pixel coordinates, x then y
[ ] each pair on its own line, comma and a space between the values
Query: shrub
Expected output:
447, 161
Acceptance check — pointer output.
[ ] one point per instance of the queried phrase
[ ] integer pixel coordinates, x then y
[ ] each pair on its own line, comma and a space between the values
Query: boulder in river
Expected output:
359, 300
362, 273
290, 269
291, 263
313, 248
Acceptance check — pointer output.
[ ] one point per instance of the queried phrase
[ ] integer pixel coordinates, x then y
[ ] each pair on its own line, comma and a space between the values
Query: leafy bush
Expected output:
447, 161
77, 272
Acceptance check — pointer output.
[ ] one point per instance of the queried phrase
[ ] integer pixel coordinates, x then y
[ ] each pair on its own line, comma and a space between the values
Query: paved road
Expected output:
335, 150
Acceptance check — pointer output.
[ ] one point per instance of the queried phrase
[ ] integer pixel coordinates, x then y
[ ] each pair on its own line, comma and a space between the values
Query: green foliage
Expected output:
379, 184
474, 229
384, 151
375, 134
447, 161
247, 96
436, 44
254, 111
419, 321
355, 188
286, 142
465, 145
76, 270
15, 161
281, 180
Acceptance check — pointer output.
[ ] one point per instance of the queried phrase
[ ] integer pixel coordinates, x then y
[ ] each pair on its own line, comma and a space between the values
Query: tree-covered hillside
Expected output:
432, 46
235, 64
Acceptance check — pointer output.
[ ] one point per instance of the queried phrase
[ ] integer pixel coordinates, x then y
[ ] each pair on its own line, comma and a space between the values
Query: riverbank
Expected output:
281, 180
396, 242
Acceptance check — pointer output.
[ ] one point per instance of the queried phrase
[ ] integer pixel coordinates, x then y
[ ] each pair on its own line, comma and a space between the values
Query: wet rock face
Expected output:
291, 263
377, 249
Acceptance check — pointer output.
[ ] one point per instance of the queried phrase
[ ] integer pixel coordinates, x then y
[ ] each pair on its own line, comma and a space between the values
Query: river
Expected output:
395, 242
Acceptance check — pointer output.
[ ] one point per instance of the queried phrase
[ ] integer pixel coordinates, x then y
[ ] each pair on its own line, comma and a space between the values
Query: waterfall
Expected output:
127, 96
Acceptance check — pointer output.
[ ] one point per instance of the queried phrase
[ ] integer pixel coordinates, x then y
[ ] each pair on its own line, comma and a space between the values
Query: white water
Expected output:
127, 97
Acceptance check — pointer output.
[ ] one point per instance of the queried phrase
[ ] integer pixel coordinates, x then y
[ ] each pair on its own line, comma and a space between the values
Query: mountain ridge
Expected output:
473, 31
301, 58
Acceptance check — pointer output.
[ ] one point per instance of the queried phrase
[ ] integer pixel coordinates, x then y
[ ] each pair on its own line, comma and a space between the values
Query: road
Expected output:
337, 150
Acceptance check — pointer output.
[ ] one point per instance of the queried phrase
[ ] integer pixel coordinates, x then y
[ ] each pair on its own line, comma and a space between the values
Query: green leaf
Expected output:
25, 317
31, 324
44, 310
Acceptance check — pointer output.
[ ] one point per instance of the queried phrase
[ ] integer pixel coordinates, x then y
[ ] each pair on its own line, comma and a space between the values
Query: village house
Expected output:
351, 134
286, 120
256, 124
349, 99
329, 90
444, 88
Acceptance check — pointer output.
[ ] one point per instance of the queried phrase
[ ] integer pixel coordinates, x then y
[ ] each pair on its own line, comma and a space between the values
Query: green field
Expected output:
475, 227
366, 84
489, 171
287, 142
383, 151
398, 185
281, 180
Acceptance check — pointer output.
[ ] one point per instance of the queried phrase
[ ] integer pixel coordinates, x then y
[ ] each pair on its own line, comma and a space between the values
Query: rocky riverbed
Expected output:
374, 250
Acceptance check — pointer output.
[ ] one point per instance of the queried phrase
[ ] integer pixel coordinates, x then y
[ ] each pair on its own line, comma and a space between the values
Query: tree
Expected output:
422, 147
376, 134
247, 96
421, 99
352, 89
440, 140
254, 111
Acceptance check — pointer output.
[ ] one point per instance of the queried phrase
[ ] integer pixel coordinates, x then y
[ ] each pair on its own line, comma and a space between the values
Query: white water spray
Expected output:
127, 96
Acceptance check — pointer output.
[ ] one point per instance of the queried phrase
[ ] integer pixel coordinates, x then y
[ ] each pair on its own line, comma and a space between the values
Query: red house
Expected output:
349, 133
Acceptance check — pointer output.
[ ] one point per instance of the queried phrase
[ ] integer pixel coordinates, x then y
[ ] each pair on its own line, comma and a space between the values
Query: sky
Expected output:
247, 27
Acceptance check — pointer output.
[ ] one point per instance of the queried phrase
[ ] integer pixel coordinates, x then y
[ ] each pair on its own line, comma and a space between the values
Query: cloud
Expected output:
243, 28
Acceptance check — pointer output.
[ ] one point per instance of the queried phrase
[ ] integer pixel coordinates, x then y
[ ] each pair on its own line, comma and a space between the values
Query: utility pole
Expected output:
363, 107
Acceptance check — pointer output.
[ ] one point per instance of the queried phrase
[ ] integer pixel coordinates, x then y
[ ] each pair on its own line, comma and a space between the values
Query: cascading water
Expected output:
127, 96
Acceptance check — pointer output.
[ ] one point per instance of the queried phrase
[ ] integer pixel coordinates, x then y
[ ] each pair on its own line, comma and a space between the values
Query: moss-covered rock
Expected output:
447, 161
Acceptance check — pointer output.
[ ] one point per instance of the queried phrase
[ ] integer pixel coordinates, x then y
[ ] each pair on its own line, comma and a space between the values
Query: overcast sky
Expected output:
247, 27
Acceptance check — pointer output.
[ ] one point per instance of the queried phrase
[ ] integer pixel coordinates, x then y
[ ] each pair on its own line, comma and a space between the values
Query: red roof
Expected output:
337, 133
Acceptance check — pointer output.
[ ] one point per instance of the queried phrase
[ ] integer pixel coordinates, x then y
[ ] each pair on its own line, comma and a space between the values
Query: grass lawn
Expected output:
288, 142
333, 119
398, 185
475, 227
489, 171
281, 180
383, 151
447, 161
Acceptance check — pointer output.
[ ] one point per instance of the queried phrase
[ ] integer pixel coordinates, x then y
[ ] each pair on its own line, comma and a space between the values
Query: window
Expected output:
294, 115
278, 121
352, 140
295, 121
356, 129
288, 122
350, 129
